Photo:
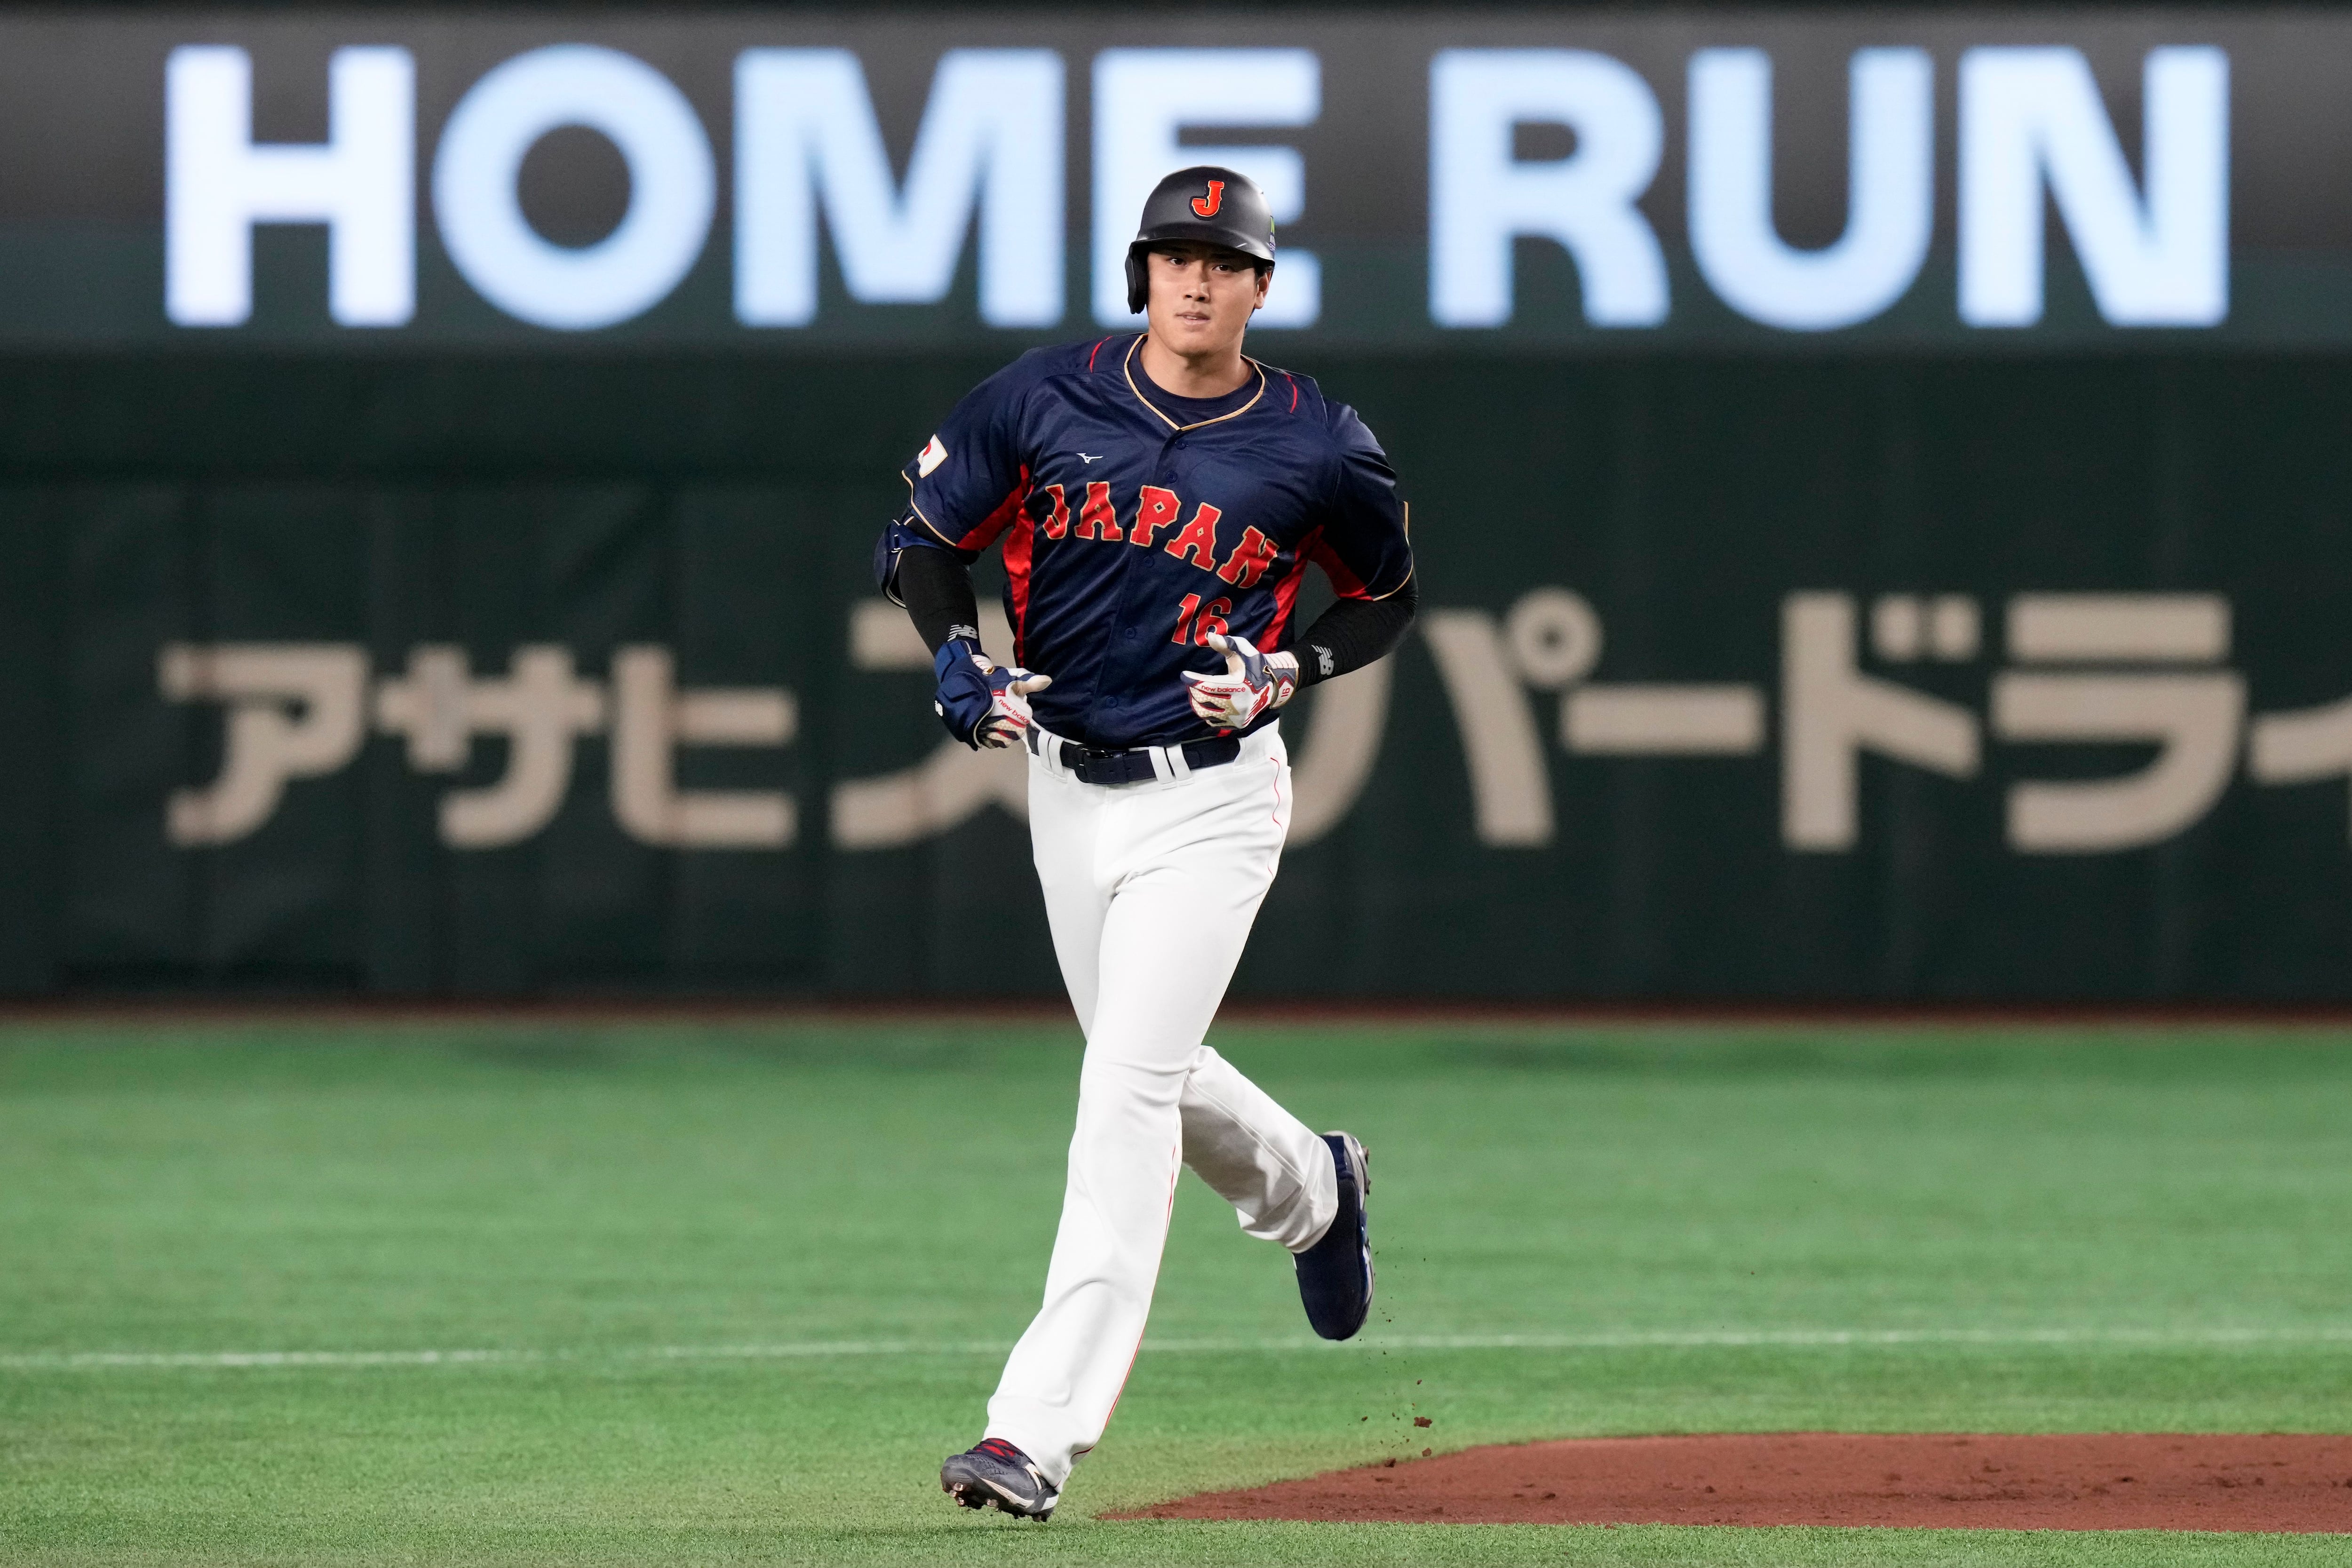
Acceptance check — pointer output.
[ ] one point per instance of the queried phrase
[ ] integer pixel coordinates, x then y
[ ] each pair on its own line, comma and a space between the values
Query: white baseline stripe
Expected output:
1704, 1338
78, 1360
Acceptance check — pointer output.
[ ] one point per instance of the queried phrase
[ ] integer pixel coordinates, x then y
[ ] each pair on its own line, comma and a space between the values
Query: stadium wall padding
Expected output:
1492, 822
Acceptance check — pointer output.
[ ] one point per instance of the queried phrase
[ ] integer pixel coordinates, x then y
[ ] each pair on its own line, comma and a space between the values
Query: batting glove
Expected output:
1253, 683
982, 703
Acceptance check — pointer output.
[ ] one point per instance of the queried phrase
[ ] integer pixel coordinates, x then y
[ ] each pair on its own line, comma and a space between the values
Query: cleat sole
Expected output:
980, 1495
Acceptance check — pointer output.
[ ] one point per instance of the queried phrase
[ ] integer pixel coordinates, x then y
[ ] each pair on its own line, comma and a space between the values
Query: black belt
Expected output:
1116, 765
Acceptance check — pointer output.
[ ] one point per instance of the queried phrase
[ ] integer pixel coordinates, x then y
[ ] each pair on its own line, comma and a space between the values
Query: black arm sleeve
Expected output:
1353, 633
936, 588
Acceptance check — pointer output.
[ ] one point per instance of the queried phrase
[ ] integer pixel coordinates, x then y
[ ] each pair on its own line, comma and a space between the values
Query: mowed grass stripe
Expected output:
755, 1280
1729, 1339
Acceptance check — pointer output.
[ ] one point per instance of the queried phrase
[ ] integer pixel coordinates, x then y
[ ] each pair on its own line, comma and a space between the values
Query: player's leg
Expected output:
1186, 867
1288, 1184
1064, 823
1272, 1168
1066, 820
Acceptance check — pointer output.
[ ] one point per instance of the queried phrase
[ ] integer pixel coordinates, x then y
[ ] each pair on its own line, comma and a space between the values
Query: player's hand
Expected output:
1253, 683
982, 703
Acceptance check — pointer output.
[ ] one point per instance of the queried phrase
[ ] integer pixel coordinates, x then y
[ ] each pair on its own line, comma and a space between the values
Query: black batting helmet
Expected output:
1207, 204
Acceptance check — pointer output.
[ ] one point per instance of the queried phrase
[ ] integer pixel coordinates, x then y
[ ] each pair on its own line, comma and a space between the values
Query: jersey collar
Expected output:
1127, 368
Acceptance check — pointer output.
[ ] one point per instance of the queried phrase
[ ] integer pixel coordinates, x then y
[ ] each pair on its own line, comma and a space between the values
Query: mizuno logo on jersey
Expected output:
929, 459
1156, 510
1089, 459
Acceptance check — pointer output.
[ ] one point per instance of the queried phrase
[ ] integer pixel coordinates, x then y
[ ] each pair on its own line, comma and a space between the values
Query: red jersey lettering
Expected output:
1058, 516
1098, 514
1156, 508
1249, 560
1198, 541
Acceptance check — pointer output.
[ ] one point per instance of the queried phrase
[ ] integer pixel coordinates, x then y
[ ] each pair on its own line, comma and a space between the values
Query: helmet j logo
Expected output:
1206, 206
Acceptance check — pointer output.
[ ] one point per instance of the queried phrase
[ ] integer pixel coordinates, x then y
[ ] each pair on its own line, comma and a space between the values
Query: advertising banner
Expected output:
1754, 679
1444, 181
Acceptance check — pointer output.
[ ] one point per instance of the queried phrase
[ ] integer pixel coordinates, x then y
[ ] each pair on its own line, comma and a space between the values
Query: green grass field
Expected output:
737, 1289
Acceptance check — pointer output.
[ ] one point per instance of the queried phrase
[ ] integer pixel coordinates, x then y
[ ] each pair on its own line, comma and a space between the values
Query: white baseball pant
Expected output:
1151, 889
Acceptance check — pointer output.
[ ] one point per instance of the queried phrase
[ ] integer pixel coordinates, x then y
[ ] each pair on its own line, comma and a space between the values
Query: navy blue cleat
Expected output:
996, 1473
1335, 1275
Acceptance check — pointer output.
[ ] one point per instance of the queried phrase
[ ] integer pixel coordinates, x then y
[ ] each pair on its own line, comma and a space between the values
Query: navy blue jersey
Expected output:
1131, 528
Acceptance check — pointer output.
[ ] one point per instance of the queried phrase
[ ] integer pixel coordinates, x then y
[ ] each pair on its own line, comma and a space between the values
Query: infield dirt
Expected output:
1948, 1480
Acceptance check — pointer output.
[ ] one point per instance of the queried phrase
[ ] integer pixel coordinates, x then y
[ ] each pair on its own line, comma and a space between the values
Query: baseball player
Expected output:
1158, 497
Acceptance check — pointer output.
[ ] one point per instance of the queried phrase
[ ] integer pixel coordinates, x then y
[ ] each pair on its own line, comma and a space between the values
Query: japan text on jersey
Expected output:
1134, 524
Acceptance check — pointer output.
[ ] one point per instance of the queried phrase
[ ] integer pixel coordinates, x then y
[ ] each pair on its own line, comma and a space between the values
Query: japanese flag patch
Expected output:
929, 457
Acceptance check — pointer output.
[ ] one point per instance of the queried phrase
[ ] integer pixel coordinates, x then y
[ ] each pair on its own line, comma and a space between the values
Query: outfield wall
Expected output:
1734, 678
364, 628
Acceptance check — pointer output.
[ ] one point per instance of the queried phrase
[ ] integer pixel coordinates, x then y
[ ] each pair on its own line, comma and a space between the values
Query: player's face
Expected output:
1202, 298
